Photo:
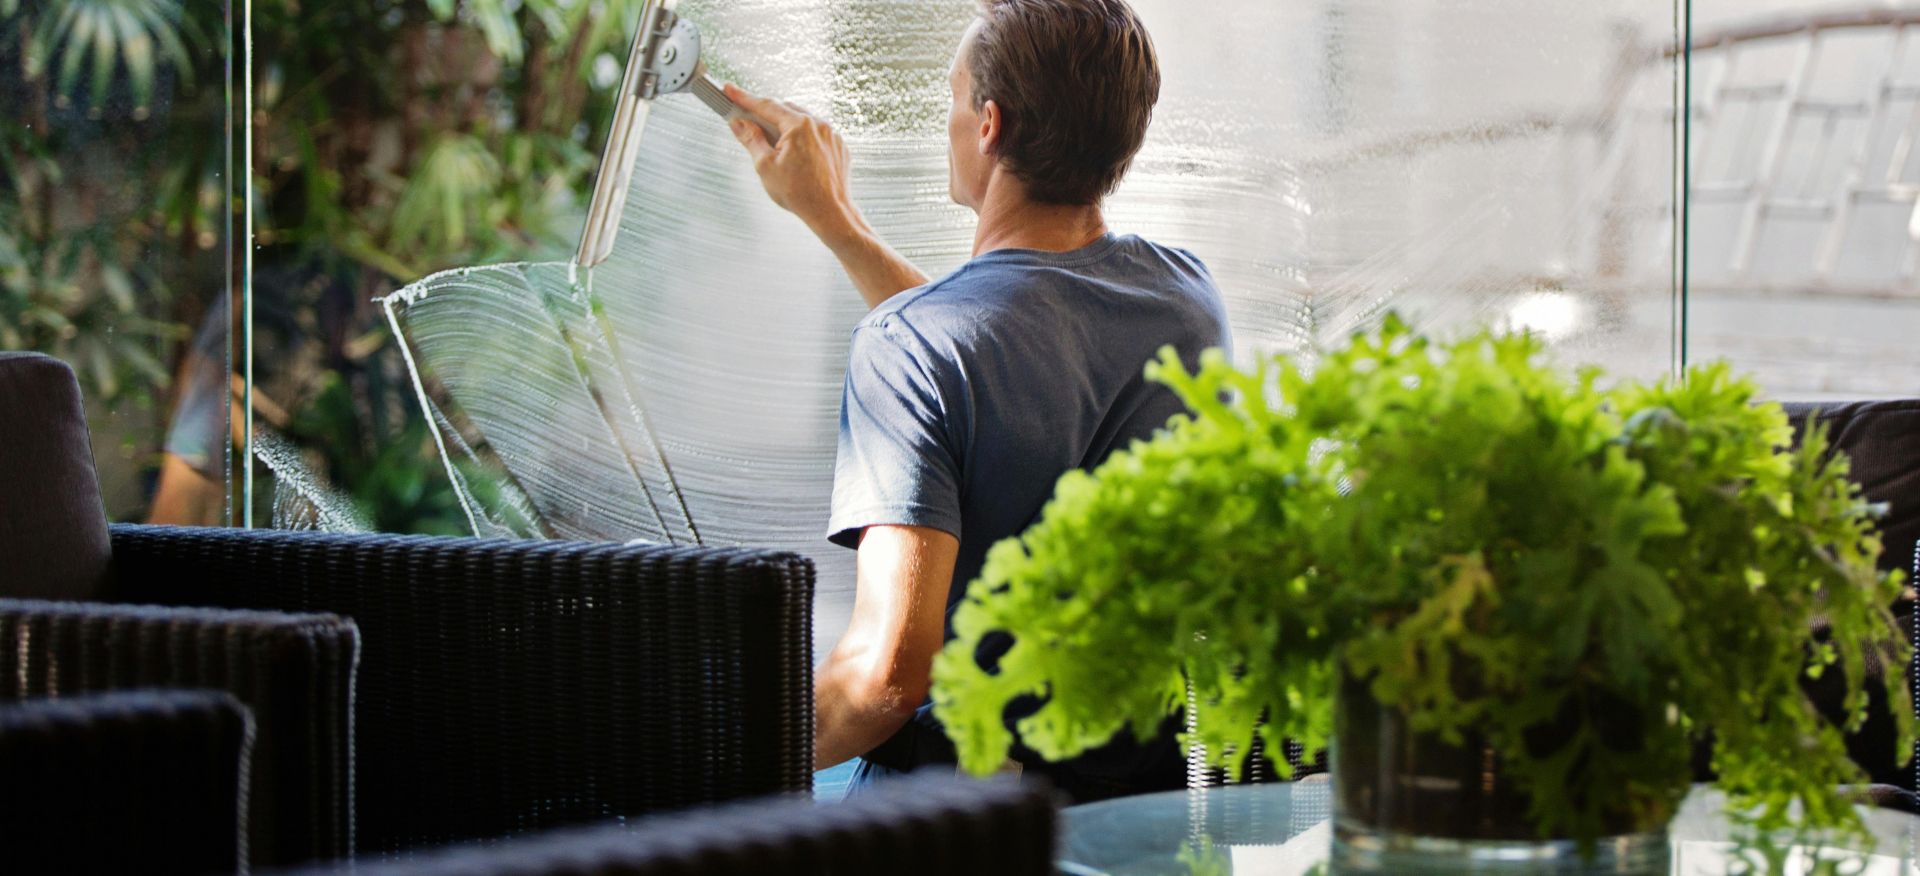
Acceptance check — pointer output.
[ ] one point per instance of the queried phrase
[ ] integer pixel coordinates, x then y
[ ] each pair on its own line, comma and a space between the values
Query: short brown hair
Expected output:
1075, 81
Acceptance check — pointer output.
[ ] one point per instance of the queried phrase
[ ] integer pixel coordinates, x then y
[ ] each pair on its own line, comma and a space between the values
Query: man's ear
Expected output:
990, 128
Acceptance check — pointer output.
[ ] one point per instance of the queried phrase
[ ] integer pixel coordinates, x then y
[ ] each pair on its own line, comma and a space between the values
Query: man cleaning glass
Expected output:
967, 397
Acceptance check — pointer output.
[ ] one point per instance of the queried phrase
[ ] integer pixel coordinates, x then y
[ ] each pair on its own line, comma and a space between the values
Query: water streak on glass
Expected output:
301, 499
1506, 163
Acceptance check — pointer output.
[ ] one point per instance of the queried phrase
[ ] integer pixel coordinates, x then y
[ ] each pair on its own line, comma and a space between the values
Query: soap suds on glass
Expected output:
302, 500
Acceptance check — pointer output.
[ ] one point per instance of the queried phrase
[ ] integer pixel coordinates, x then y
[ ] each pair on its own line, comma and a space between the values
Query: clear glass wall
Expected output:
393, 140
116, 128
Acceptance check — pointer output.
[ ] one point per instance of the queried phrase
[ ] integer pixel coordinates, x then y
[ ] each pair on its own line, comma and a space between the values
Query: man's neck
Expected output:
1008, 220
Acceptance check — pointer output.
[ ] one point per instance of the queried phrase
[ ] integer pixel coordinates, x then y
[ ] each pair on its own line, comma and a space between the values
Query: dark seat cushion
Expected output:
53, 529
143, 782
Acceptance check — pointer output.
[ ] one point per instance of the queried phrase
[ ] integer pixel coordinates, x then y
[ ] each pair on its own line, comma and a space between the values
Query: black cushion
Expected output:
53, 531
130, 782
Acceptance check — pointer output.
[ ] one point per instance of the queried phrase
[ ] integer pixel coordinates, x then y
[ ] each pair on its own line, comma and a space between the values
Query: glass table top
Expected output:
1282, 830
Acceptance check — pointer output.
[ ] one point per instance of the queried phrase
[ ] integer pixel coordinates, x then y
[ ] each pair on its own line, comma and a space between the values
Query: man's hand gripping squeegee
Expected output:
665, 60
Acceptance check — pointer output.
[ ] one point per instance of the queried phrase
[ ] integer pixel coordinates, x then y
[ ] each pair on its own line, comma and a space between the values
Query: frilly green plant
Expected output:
1490, 545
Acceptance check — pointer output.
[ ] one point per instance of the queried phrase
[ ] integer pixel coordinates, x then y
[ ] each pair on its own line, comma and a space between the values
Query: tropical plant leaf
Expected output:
137, 53
118, 286
501, 30
447, 194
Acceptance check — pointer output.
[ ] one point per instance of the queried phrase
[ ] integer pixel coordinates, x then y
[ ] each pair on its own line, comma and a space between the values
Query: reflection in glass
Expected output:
191, 488
114, 234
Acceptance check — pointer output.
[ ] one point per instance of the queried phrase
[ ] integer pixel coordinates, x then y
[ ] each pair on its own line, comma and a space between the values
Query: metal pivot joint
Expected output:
665, 59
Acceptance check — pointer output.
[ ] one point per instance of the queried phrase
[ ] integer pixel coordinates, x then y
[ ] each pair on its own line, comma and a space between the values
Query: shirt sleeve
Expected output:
897, 463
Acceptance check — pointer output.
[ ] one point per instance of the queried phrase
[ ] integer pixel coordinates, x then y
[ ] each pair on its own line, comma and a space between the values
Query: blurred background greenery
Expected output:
390, 140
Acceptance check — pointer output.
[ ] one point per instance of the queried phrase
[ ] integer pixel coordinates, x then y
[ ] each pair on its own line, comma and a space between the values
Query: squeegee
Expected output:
665, 59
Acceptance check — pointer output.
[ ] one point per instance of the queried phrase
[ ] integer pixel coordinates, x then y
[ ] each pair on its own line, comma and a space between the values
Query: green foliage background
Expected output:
111, 148
1589, 577
391, 139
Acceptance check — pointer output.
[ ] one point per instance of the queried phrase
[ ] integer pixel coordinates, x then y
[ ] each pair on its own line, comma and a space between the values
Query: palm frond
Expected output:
448, 191
102, 36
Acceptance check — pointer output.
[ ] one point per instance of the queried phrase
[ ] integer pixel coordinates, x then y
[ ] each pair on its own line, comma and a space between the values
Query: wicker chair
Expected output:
146, 782
510, 686
924, 825
502, 686
294, 672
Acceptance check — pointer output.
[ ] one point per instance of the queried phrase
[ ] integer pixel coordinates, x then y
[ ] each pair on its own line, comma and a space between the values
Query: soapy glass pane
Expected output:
1466, 163
1802, 234
115, 241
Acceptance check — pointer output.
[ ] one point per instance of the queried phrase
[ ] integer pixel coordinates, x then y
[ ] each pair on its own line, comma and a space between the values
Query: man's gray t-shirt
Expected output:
967, 399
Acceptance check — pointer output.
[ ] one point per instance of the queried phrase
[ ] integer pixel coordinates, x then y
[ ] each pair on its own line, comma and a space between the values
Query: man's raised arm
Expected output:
806, 173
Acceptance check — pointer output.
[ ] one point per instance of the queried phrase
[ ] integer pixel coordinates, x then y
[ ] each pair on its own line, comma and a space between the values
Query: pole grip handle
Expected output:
711, 94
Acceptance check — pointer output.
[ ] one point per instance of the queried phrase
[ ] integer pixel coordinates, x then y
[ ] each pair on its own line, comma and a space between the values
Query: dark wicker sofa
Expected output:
484, 687
509, 686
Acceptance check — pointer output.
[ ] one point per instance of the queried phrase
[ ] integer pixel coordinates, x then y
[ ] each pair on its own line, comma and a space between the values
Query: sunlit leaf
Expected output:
98, 363
136, 50
118, 286
78, 34
104, 54
497, 24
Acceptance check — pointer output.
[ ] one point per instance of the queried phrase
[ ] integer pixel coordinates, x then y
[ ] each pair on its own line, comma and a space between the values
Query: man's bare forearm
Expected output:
877, 675
847, 723
878, 271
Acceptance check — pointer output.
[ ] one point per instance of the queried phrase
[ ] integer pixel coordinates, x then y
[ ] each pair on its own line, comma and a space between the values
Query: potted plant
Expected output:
1516, 602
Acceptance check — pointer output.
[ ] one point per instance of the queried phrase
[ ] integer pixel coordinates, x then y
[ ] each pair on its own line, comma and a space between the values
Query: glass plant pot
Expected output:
1409, 803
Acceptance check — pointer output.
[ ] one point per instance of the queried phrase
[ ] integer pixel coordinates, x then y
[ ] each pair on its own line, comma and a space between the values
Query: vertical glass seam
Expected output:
226, 212
1685, 225
246, 269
